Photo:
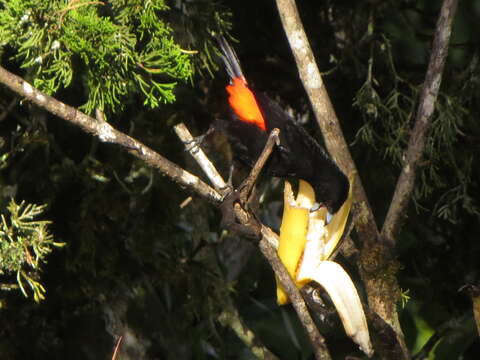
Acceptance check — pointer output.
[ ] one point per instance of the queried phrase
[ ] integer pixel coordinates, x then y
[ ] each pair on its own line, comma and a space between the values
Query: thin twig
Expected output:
185, 202
117, 347
428, 96
249, 182
74, 5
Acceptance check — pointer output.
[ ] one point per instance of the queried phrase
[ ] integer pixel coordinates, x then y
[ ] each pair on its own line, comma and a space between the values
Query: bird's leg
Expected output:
193, 145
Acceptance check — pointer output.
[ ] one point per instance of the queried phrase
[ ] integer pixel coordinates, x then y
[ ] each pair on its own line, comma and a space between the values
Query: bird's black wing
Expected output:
300, 156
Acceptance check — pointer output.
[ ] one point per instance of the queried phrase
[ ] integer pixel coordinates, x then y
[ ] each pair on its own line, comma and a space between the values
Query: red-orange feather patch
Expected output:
244, 104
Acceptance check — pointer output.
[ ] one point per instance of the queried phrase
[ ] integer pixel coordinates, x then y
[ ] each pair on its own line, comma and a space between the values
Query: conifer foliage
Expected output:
115, 48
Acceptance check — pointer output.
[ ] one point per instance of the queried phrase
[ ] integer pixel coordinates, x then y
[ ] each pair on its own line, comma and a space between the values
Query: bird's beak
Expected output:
316, 206
328, 218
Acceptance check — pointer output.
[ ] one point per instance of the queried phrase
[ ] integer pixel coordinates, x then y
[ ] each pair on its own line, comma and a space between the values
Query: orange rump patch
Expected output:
244, 104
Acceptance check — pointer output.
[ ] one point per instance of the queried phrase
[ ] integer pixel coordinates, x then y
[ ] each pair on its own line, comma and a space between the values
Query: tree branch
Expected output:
106, 133
197, 153
423, 120
316, 339
249, 182
325, 114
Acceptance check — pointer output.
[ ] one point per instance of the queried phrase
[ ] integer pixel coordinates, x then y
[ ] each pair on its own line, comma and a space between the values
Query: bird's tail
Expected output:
230, 59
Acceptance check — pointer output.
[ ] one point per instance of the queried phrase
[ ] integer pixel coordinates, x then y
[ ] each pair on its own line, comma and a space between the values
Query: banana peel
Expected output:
305, 247
336, 282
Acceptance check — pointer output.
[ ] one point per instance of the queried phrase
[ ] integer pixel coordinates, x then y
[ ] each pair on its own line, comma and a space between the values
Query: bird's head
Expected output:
331, 193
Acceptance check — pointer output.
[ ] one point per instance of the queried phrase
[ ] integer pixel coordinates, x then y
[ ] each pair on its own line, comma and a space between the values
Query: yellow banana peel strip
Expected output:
322, 240
293, 231
305, 246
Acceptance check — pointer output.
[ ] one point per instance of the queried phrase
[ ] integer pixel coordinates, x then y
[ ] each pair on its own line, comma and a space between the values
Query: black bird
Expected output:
298, 156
